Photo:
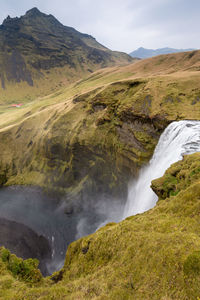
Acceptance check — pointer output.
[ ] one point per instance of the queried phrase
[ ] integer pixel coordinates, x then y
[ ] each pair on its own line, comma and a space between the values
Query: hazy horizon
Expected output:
123, 26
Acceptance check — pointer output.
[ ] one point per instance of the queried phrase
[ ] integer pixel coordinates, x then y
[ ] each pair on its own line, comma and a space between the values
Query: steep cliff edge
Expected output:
93, 136
25, 243
154, 255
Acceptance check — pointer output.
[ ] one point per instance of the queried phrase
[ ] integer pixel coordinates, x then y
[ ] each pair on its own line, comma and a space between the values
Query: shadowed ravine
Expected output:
46, 215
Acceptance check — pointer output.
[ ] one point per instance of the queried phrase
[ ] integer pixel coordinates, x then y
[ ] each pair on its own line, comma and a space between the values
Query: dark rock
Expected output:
2, 82
98, 106
3, 175
30, 144
16, 68
85, 249
191, 54
24, 242
33, 12
57, 277
37, 42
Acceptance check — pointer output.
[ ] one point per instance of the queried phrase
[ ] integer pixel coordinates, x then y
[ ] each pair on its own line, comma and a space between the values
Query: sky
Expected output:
122, 25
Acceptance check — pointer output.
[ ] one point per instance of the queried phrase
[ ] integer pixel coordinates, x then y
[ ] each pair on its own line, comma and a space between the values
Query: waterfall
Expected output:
178, 139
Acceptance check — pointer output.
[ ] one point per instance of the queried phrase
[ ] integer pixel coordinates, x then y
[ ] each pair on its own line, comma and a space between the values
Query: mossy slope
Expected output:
150, 256
62, 141
155, 255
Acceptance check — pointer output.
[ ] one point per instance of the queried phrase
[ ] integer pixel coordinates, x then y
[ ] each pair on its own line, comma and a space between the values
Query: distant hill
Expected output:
146, 53
37, 51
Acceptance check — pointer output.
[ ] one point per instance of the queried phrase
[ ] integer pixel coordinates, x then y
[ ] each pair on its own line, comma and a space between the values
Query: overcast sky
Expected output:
122, 25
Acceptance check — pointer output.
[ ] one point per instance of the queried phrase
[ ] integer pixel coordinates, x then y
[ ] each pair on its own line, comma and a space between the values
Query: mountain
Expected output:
38, 54
146, 53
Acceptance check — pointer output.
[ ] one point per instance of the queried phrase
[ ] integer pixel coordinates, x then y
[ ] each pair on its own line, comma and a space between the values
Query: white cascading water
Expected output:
178, 139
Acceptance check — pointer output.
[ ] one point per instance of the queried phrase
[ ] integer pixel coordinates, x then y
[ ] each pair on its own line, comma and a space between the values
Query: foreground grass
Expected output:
155, 255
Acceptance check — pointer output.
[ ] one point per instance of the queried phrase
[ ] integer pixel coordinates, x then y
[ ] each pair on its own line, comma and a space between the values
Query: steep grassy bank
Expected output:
62, 141
154, 255
76, 139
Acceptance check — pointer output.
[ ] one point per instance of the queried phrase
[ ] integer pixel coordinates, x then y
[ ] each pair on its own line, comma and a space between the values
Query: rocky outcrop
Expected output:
25, 243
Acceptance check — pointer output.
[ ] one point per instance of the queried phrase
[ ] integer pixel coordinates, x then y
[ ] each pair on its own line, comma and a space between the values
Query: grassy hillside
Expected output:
110, 120
154, 255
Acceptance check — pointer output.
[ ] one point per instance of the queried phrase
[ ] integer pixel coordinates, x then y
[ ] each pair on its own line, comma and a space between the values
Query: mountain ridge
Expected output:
36, 49
147, 53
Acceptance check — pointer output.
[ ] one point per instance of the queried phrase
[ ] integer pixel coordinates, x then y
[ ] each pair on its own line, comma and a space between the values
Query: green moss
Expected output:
51, 157
191, 266
26, 270
178, 177
5, 254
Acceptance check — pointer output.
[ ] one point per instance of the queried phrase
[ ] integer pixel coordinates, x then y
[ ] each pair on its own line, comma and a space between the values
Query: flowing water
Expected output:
178, 139
47, 215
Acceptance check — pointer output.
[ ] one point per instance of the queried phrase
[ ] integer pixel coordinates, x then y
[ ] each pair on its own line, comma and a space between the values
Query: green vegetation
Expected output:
114, 126
109, 121
25, 270
97, 132
96, 124
178, 177
154, 255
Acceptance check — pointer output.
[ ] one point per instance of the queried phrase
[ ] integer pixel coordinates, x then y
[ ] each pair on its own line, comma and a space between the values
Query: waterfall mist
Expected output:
63, 220
60, 221
103, 210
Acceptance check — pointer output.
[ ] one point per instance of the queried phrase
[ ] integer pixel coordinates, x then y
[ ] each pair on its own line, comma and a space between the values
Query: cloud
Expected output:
123, 25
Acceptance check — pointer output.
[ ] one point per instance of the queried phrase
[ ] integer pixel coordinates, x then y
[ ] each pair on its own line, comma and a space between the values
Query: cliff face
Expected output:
89, 145
92, 137
154, 255
24, 242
